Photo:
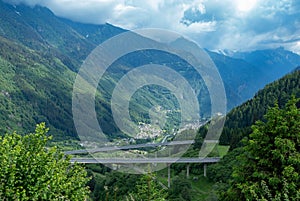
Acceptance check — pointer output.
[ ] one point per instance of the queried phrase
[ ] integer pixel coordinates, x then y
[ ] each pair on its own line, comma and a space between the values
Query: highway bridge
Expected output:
165, 160
156, 160
135, 146
129, 147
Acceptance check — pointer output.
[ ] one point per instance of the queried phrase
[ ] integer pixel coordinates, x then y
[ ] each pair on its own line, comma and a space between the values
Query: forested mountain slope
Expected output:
41, 53
240, 119
39, 57
238, 126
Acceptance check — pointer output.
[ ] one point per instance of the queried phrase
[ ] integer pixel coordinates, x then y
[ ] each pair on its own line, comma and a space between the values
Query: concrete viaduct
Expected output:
164, 160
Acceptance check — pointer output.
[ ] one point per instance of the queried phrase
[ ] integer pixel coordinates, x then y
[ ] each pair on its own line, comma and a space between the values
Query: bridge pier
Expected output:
169, 175
204, 169
188, 171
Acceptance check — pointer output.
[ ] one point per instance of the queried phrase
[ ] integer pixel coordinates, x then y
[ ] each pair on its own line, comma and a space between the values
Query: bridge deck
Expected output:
136, 146
145, 160
128, 147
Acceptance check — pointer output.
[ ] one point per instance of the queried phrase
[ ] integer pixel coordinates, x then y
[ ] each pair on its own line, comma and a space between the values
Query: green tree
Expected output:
180, 189
30, 171
269, 166
147, 189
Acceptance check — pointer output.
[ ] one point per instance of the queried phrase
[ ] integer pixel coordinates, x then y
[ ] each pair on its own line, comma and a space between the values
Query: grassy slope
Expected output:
43, 51
40, 53
31, 85
39, 57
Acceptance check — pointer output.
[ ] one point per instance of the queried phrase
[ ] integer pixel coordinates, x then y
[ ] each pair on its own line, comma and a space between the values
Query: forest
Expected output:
262, 163
40, 56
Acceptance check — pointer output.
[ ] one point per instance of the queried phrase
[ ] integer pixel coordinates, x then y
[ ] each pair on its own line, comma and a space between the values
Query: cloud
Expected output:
268, 24
214, 24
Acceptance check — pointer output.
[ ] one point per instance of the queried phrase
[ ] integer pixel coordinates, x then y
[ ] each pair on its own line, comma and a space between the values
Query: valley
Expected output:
41, 57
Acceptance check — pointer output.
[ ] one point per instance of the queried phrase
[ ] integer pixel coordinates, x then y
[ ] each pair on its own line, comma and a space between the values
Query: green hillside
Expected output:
30, 87
39, 57
240, 119
197, 187
41, 53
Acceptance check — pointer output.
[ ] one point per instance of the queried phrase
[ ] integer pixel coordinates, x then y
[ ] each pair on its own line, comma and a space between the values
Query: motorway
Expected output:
165, 160
128, 147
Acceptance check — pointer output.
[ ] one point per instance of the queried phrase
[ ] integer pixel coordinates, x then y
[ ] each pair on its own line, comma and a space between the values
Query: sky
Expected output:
239, 25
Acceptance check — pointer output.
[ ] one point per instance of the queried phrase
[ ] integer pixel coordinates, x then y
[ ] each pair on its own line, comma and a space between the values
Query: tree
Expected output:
180, 189
269, 166
147, 189
30, 171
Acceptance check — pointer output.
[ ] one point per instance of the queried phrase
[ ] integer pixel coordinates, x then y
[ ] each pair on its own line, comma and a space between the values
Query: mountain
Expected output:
241, 78
39, 29
238, 125
247, 72
239, 120
274, 62
40, 55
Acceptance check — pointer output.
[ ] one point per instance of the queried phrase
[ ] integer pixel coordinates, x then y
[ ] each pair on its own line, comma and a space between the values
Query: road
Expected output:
128, 147
165, 160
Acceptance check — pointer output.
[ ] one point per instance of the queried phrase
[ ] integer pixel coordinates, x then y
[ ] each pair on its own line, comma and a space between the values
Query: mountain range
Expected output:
40, 55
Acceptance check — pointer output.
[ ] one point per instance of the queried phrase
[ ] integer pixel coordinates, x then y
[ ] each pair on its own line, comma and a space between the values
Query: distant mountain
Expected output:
273, 62
41, 53
242, 79
247, 72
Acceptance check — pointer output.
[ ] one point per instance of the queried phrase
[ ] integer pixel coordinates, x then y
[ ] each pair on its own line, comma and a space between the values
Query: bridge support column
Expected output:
169, 175
204, 169
188, 171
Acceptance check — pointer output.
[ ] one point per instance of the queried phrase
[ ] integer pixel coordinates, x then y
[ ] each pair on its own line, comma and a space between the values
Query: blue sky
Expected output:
215, 24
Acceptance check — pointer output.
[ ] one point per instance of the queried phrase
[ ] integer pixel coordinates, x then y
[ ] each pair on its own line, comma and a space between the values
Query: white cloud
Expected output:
296, 47
215, 24
197, 27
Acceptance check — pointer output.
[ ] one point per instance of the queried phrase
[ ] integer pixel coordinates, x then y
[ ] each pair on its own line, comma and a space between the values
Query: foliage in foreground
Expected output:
269, 166
148, 189
30, 171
